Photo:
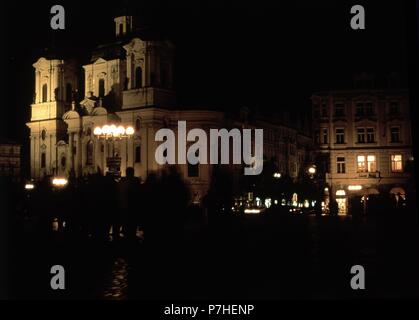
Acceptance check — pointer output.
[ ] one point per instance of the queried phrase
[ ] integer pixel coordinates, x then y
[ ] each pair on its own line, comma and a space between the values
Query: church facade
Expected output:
130, 83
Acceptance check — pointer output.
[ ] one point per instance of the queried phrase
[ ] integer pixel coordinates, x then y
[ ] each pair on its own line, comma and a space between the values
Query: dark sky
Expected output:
267, 56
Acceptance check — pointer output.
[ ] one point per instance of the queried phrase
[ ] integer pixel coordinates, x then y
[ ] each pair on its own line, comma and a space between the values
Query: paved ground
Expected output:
264, 257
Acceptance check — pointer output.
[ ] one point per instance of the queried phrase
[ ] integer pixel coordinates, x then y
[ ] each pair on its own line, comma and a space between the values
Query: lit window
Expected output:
372, 165
396, 163
341, 168
361, 165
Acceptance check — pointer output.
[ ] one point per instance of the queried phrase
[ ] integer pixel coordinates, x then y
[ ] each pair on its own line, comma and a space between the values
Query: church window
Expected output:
138, 77
44, 92
137, 154
101, 88
43, 134
43, 159
89, 153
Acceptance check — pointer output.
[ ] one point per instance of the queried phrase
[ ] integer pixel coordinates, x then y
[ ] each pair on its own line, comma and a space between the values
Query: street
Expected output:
270, 256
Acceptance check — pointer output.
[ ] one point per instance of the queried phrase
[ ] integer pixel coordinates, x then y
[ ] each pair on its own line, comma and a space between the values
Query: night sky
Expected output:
266, 56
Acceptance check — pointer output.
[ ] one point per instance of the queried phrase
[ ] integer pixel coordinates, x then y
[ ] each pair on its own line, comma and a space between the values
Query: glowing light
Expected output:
276, 201
252, 211
129, 131
268, 203
59, 182
326, 189
341, 193
277, 175
106, 129
312, 170
306, 204
112, 128
29, 186
97, 131
354, 188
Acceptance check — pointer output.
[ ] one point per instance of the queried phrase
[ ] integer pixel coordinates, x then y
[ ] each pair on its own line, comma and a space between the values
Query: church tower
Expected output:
55, 85
123, 25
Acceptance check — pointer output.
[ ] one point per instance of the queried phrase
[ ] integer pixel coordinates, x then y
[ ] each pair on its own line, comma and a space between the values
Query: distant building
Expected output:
364, 142
130, 82
10, 158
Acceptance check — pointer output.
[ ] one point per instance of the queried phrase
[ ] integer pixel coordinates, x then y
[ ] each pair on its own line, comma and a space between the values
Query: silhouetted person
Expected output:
333, 207
128, 196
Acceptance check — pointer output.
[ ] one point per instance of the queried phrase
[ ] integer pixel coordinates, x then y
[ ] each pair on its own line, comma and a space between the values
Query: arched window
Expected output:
121, 29
63, 161
137, 154
89, 153
44, 92
68, 92
101, 88
138, 77
43, 159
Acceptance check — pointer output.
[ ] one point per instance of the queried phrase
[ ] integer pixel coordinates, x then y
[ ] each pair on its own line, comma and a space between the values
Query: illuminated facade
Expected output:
364, 142
129, 83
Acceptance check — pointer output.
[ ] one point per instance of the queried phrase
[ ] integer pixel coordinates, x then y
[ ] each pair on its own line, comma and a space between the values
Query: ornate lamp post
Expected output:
113, 133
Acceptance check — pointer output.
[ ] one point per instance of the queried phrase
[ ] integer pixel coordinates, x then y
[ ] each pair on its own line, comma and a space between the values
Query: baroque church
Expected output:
129, 83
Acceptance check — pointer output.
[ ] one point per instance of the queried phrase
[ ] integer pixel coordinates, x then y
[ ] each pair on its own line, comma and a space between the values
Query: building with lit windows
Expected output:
10, 159
364, 142
129, 83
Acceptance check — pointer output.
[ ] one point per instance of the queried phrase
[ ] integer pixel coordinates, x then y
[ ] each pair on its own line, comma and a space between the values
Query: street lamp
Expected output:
277, 175
312, 170
59, 182
113, 132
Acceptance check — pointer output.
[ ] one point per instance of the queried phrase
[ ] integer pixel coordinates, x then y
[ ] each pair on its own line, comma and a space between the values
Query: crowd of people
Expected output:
102, 207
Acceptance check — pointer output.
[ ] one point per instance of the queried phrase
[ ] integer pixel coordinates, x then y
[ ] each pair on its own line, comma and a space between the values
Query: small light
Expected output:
129, 131
121, 130
106, 129
29, 186
340, 193
97, 131
312, 170
354, 188
59, 182
252, 211
326, 189
112, 128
